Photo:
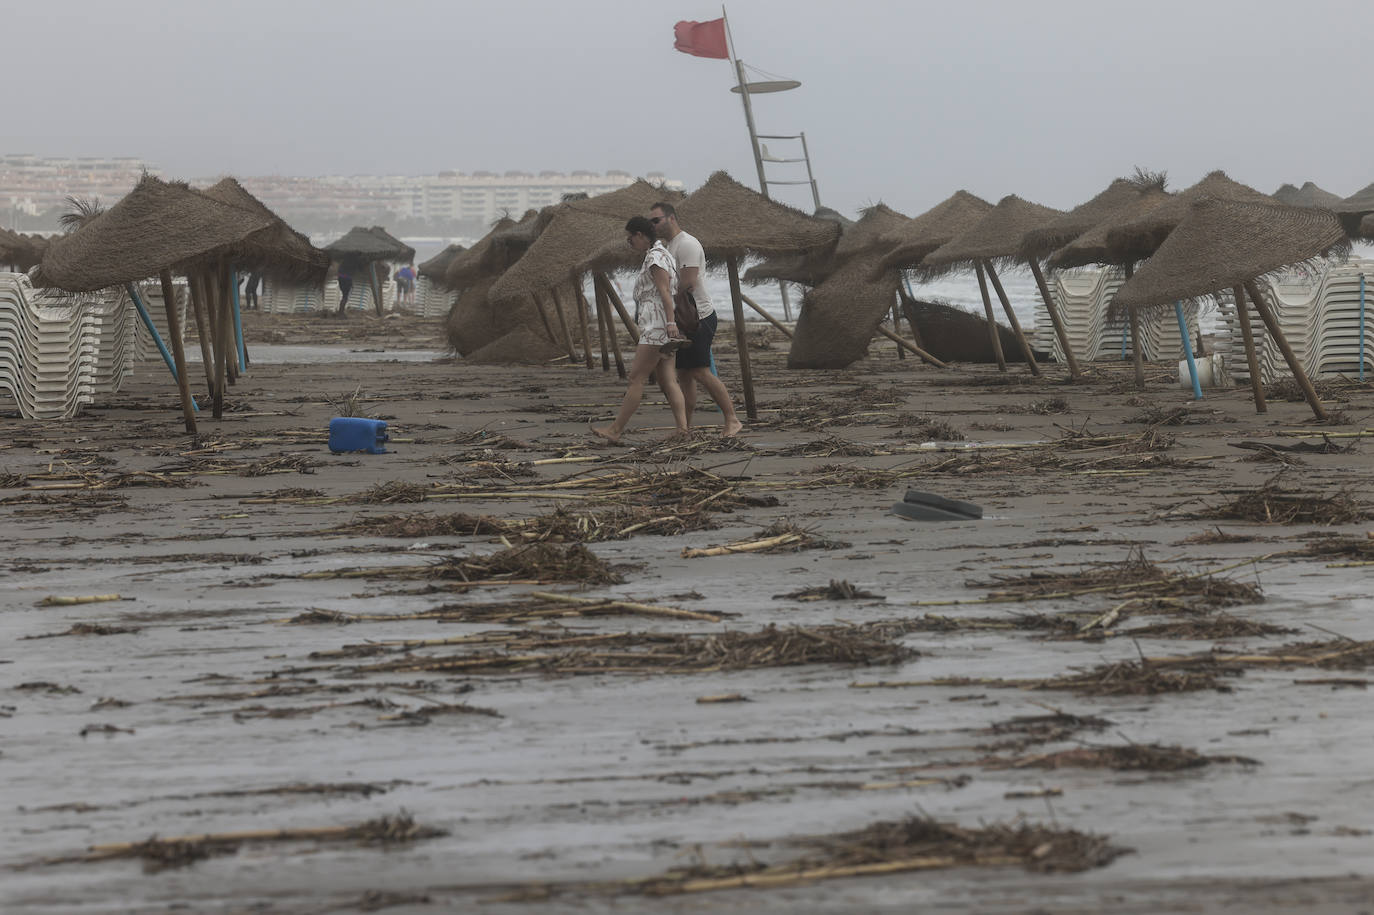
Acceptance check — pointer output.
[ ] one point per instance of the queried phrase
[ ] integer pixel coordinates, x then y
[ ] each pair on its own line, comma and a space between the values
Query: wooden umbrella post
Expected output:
1271, 324
197, 288
603, 308
907, 345
216, 304
231, 359
169, 299
909, 309
583, 320
992, 324
543, 318
563, 325
600, 326
746, 373
766, 316
1060, 330
1251, 356
1011, 318
376, 287
619, 306
1137, 355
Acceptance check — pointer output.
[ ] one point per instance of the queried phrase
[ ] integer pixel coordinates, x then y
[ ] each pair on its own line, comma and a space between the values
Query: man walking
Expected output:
694, 362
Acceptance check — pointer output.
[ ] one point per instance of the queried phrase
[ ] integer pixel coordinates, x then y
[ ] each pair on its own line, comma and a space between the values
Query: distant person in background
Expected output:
405, 285
345, 285
250, 289
694, 361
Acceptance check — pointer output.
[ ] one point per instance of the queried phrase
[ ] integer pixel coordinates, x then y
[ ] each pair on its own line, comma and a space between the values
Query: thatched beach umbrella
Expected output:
732, 222
908, 245
278, 250
570, 235
157, 228
365, 247
1309, 195
468, 265
840, 314
807, 270
1221, 244
1134, 241
1353, 210
996, 237
438, 265
1122, 195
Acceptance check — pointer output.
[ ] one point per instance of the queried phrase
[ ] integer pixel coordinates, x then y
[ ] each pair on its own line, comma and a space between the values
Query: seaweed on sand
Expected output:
643, 652
1133, 757
422, 524
1272, 504
525, 562
838, 589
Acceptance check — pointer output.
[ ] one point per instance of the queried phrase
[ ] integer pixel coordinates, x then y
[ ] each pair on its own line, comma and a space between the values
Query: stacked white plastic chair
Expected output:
1083, 297
1319, 313
431, 299
47, 352
151, 294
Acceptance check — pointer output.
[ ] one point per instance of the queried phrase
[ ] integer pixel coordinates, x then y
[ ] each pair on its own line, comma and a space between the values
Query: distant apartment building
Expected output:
33, 185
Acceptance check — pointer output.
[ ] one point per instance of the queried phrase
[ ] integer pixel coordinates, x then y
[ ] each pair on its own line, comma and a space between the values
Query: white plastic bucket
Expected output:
1211, 373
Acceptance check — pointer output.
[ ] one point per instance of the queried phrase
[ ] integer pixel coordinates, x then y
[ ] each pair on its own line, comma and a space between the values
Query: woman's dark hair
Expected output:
640, 225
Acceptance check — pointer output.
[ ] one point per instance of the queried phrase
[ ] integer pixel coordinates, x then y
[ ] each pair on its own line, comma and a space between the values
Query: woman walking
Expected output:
659, 338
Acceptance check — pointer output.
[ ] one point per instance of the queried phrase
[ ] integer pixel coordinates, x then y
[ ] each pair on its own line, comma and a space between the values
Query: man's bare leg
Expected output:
730, 424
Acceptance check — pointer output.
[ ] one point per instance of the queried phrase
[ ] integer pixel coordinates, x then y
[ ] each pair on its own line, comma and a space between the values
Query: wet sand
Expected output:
214, 713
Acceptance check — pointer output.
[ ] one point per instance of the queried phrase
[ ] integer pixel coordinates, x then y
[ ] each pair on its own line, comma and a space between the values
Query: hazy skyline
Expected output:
901, 102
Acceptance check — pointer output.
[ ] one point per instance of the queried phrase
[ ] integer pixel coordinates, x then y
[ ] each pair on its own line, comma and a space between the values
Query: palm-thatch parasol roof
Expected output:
1309, 195
876, 223
948, 219
580, 235
1362, 201
438, 265
731, 220
1137, 240
996, 237
834, 216
468, 266
794, 268
1039, 243
1220, 244
21, 250
158, 225
1091, 246
365, 245
1353, 208
840, 315
279, 249
1366, 229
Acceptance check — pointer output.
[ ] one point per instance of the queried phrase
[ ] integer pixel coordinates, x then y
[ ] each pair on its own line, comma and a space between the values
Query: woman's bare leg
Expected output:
646, 357
667, 380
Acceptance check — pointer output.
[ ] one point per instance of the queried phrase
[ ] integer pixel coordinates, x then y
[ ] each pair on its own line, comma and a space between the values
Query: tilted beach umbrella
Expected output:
1227, 244
1366, 229
1090, 247
1352, 211
995, 237
1124, 195
438, 265
841, 313
1136, 240
1309, 195
805, 269
158, 228
278, 250
469, 265
910, 243
364, 247
732, 222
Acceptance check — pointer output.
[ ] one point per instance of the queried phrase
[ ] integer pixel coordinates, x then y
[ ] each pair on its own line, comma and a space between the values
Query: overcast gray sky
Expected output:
903, 102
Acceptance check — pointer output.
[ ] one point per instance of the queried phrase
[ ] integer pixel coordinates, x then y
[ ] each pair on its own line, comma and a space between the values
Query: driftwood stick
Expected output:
627, 606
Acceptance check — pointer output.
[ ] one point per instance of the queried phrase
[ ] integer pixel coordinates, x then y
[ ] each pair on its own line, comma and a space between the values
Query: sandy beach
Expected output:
505, 667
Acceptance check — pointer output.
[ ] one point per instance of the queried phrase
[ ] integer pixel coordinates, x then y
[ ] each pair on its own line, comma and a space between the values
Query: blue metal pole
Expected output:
238, 320
157, 337
1188, 348
1362, 327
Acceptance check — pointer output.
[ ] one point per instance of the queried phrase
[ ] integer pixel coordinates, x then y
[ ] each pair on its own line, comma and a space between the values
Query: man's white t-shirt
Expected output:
687, 252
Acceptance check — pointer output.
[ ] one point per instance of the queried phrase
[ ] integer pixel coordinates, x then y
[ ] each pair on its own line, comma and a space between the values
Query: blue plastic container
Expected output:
353, 433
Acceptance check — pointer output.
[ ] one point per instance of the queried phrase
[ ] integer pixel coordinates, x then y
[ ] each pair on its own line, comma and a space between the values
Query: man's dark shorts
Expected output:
698, 355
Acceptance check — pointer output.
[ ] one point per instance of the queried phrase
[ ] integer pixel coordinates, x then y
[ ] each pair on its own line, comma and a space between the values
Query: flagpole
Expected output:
753, 137
748, 108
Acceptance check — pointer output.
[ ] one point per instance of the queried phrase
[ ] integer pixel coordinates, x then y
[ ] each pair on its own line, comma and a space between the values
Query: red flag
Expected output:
701, 39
